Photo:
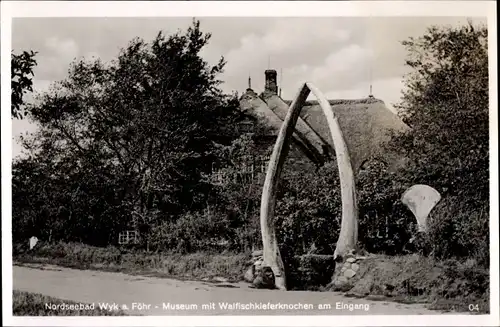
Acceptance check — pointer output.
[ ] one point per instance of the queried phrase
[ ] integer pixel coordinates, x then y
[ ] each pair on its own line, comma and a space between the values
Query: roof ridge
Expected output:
341, 101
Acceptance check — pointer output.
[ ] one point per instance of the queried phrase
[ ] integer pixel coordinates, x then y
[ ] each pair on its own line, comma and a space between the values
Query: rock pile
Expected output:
256, 265
345, 272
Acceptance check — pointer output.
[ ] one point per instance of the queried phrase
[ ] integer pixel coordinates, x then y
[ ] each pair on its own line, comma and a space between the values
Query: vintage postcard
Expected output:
249, 163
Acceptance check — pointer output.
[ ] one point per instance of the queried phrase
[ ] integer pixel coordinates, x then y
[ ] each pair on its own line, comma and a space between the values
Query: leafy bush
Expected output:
308, 211
309, 271
199, 265
193, 232
385, 224
460, 229
446, 104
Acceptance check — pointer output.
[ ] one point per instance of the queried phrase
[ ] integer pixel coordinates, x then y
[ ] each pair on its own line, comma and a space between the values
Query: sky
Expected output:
342, 56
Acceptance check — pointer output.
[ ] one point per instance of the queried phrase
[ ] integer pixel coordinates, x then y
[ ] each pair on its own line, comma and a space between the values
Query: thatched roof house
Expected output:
366, 123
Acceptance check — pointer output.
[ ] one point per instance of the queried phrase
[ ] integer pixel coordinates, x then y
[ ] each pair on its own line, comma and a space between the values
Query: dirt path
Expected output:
159, 295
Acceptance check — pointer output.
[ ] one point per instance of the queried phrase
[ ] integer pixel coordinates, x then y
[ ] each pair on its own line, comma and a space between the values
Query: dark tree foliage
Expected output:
308, 212
21, 80
123, 145
446, 104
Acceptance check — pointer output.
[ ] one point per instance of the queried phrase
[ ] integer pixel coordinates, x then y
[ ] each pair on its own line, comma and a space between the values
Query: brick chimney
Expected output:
271, 81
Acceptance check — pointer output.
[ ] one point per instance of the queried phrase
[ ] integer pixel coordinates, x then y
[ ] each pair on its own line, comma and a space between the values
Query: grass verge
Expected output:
193, 266
446, 285
33, 304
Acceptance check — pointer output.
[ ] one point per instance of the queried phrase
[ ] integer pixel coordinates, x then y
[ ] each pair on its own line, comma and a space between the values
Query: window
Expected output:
246, 172
245, 127
247, 169
221, 177
128, 237
262, 162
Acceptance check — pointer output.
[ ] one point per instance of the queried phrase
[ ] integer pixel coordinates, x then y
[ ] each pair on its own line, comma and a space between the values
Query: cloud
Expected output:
55, 57
20, 128
388, 90
292, 34
64, 49
346, 66
288, 43
41, 85
342, 69
334, 53
341, 55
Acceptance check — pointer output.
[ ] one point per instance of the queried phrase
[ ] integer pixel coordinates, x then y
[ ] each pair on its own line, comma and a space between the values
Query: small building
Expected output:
366, 124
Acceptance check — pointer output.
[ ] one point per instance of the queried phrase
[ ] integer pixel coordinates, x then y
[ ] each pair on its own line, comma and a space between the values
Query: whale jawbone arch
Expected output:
349, 227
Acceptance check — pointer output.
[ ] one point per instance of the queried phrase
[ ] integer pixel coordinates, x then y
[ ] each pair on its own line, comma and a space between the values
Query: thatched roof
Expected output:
252, 104
365, 123
309, 137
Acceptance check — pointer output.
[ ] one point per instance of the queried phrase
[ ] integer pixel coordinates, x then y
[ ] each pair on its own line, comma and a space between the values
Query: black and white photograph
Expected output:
323, 169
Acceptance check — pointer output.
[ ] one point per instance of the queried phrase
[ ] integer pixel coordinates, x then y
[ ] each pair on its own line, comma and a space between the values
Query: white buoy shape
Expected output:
421, 199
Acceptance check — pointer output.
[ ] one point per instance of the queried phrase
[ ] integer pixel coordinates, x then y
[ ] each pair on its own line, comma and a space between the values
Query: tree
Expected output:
446, 104
21, 80
132, 136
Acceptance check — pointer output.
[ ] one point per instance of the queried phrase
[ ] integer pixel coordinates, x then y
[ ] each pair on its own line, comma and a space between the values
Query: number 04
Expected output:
473, 307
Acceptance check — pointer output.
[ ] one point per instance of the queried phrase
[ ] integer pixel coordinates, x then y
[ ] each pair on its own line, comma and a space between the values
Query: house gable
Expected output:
366, 124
